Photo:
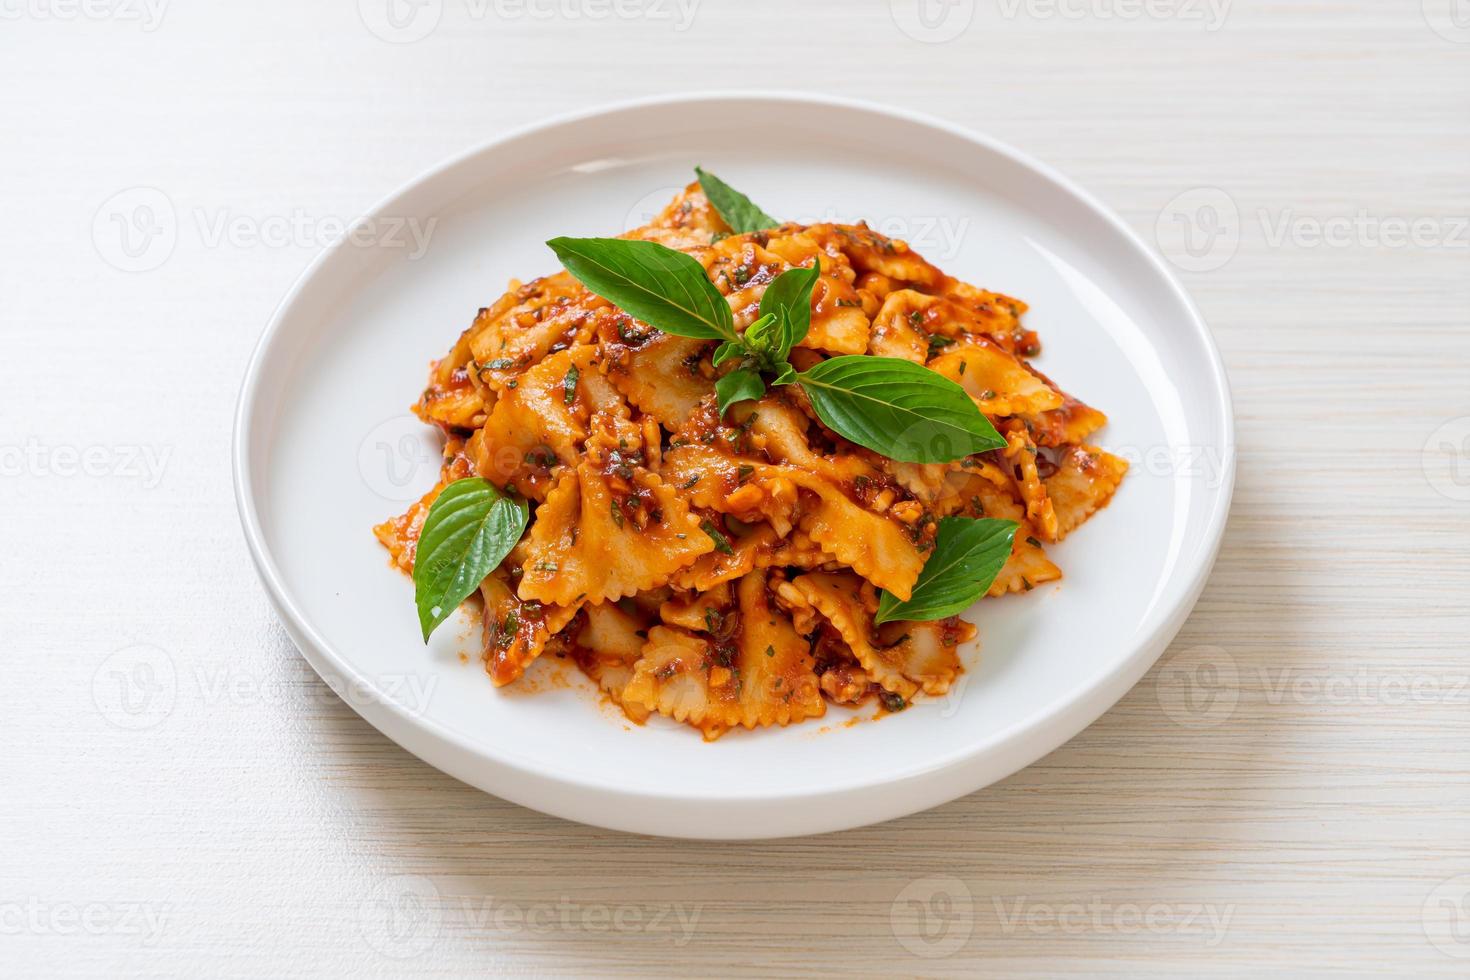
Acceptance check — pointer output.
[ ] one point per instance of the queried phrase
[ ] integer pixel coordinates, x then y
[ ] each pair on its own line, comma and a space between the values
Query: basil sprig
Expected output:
894, 407
968, 554
469, 530
737, 210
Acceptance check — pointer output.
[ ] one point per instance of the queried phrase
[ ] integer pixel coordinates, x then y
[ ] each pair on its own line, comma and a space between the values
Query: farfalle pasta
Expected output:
724, 568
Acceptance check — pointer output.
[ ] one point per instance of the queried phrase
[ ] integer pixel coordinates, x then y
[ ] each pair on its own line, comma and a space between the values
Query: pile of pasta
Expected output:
724, 571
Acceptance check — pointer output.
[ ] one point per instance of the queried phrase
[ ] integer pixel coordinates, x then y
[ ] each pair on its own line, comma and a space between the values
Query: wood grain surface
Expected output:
1289, 789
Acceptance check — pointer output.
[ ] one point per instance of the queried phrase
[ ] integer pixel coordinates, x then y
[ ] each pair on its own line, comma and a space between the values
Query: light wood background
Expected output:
1290, 787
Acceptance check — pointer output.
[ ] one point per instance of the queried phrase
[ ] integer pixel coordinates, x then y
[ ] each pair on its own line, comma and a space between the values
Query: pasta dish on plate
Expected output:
735, 468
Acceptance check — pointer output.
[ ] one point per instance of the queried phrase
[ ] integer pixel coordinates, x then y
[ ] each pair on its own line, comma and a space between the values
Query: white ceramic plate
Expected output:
325, 447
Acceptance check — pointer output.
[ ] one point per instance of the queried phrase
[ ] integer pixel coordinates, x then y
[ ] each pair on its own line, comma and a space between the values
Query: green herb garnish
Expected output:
737, 210
892, 406
968, 554
469, 530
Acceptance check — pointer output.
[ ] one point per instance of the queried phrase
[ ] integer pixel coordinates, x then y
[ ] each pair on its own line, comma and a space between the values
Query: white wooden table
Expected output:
1289, 788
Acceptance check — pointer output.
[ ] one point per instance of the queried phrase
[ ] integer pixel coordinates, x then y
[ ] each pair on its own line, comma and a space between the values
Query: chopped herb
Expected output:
546, 566
939, 342
891, 701
713, 619
501, 363
569, 384
617, 515
1033, 542
512, 384
743, 471
722, 544
1027, 583
988, 394
963, 365
850, 302
690, 482
916, 318
770, 650
742, 275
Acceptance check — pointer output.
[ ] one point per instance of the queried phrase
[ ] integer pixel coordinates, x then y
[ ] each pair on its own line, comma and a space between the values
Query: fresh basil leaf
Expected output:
741, 384
968, 554
663, 288
737, 210
789, 299
762, 339
784, 375
727, 350
470, 529
898, 409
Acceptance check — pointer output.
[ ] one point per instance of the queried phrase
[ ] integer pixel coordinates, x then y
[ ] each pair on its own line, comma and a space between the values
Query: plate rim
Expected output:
1024, 742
